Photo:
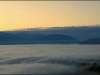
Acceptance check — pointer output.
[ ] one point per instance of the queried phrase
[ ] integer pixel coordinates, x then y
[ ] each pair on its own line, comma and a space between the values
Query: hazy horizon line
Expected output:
43, 28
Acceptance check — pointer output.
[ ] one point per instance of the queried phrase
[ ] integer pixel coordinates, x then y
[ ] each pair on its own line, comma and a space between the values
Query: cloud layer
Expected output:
46, 59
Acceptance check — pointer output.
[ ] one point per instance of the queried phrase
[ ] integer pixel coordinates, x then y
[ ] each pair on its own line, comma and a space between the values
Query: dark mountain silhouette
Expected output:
25, 38
55, 38
28, 36
91, 41
81, 33
8, 36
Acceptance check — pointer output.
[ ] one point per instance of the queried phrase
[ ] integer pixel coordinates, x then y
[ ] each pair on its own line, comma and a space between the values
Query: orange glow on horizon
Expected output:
33, 14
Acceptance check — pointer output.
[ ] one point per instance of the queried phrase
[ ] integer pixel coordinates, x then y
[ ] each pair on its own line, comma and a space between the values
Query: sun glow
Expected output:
34, 14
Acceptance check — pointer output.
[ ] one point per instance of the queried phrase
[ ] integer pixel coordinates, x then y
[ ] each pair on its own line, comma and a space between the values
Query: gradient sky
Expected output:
30, 14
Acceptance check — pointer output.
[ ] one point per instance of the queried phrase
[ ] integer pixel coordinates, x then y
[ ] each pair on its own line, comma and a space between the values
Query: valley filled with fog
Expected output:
46, 58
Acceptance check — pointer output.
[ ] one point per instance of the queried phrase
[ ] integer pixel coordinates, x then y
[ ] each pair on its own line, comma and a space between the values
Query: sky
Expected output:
32, 14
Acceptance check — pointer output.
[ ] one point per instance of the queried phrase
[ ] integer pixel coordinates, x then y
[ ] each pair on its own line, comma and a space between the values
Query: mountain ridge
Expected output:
91, 41
81, 33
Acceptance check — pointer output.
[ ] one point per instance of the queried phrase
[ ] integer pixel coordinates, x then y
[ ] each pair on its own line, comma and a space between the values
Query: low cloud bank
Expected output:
37, 68
46, 59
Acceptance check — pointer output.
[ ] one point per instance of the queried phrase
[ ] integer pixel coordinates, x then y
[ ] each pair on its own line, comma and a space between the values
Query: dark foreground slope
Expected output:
91, 41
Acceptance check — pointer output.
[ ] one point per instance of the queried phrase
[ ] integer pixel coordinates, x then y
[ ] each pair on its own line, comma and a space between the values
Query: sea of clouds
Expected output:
46, 59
